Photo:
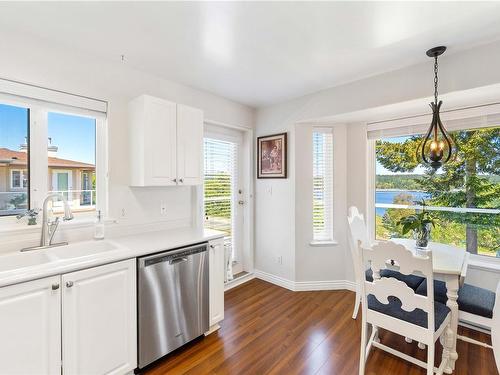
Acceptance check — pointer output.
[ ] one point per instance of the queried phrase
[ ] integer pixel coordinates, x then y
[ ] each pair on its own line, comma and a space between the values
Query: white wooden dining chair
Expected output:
477, 306
357, 232
481, 307
391, 304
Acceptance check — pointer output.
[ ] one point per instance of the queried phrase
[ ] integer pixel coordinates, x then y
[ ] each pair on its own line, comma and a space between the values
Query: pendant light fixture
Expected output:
437, 147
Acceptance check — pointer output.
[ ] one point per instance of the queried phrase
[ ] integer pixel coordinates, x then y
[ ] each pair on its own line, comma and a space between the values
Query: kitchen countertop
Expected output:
108, 251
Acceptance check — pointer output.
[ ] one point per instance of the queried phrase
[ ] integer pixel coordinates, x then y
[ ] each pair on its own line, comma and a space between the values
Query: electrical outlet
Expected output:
123, 212
163, 208
279, 259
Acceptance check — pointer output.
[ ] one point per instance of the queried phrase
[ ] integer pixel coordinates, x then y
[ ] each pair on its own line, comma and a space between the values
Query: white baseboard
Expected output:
240, 280
321, 285
305, 285
273, 279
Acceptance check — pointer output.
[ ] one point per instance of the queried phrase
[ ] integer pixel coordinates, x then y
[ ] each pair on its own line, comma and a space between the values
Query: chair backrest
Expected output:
390, 255
357, 232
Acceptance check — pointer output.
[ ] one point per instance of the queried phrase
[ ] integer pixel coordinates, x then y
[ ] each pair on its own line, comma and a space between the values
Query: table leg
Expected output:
452, 285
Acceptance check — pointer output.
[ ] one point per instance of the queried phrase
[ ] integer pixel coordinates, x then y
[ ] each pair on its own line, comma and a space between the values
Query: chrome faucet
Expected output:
49, 227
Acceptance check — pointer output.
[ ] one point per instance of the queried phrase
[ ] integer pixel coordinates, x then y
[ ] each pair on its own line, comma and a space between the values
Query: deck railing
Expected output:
79, 200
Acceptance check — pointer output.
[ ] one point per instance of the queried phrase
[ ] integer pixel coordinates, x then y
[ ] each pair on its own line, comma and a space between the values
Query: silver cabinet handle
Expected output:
181, 180
212, 246
69, 284
55, 286
174, 180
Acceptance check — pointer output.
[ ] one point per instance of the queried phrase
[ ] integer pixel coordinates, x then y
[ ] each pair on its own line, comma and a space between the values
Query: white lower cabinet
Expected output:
99, 320
216, 281
97, 308
30, 327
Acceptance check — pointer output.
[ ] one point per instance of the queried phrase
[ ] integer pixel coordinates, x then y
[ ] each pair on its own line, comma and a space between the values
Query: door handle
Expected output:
69, 284
178, 260
181, 180
55, 286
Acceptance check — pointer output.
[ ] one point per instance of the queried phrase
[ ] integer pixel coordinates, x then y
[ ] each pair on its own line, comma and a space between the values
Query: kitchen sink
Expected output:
45, 256
82, 249
23, 260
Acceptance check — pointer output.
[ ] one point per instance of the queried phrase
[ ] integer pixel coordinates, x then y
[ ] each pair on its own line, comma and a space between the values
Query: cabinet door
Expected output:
30, 327
216, 282
160, 145
153, 133
189, 145
99, 320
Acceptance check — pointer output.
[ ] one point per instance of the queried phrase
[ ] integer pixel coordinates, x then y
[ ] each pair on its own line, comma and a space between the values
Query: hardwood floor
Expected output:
271, 330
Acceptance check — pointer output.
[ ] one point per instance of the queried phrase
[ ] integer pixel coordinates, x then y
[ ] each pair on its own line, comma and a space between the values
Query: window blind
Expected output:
460, 119
322, 184
220, 159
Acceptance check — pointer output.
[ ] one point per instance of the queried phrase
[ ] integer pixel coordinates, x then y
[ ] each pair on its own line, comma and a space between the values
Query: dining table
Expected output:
449, 264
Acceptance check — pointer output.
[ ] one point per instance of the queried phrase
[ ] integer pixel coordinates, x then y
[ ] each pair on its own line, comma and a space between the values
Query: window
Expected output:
14, 166
322, 184
464, 196
44, 151
18, 179
71, 160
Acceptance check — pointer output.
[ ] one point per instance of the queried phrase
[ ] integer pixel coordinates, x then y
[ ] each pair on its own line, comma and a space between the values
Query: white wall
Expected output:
333, 258
467, 70
274, 217
33, 61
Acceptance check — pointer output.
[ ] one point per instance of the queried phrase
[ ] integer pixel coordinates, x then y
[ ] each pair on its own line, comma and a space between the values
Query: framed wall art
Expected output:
272, 156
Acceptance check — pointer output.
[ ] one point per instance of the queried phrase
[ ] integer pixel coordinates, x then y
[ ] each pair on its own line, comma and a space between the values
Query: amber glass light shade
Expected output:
437, 147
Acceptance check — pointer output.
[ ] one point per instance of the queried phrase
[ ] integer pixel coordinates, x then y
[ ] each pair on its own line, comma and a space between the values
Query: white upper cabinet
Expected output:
166, 143
99, 320
189, 145
30, 326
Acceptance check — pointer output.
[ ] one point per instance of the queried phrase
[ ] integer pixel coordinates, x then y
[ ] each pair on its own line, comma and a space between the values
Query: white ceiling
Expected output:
258, 53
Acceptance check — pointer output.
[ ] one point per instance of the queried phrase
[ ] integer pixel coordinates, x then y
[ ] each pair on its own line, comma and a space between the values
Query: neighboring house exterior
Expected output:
64, 176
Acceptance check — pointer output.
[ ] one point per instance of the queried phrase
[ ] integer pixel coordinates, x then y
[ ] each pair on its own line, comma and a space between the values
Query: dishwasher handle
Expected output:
171, 256
177, 260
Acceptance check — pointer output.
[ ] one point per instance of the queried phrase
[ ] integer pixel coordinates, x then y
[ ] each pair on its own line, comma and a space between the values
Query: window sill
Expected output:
13, 227
323, 243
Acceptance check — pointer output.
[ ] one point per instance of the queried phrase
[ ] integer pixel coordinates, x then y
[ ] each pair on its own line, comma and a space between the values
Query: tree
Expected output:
393, 215
468, 181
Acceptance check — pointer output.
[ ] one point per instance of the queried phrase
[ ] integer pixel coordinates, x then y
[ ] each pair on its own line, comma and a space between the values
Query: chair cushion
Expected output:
471, 299
417, 316
439, 290
411, 280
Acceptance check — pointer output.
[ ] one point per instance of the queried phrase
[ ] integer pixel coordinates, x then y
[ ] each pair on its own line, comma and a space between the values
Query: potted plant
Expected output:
421, 224
30, 214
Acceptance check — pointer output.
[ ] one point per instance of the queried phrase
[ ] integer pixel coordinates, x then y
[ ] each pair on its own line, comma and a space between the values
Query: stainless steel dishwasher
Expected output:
172, 300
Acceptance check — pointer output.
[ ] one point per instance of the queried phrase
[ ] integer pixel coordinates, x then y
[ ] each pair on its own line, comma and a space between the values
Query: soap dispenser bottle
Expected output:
99, 227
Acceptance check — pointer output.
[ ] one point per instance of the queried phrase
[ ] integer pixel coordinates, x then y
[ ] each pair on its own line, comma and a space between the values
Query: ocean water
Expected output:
387, 196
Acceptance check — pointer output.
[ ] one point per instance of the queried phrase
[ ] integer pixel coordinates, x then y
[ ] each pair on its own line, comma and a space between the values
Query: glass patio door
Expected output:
61, 183
222, 191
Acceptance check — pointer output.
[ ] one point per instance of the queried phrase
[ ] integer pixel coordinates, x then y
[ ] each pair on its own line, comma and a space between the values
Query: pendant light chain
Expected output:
435, 79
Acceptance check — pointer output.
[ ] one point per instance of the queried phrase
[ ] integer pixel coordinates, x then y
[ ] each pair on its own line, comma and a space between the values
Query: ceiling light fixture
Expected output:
437, 147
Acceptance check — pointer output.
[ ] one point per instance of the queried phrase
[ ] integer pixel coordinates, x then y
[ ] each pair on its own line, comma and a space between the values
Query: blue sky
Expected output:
74, 135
